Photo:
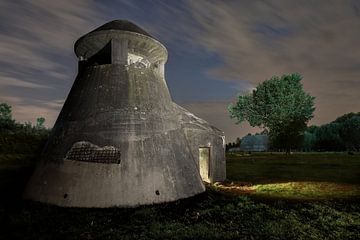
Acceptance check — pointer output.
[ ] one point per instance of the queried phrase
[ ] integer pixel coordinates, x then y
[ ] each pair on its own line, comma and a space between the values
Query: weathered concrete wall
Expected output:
199, 133
119, 51
153, 170
119, 139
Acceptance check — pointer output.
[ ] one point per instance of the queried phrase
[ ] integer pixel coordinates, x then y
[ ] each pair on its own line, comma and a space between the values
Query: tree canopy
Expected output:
6, 121
40, 123
339, 135
18, 137
279, 105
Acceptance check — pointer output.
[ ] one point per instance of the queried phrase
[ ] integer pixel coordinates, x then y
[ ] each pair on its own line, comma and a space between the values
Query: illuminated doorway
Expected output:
204, 163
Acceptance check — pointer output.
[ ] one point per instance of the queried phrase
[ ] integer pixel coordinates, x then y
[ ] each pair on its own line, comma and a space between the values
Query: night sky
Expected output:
217, 50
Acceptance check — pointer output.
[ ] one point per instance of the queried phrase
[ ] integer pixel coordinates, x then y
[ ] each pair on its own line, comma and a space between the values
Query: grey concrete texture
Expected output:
119, 139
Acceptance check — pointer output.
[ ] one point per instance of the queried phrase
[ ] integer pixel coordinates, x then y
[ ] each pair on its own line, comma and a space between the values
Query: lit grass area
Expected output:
297, 176
308, 190
294, 190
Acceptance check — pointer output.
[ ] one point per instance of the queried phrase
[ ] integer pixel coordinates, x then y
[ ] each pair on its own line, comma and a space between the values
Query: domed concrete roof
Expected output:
92, 42
122, 25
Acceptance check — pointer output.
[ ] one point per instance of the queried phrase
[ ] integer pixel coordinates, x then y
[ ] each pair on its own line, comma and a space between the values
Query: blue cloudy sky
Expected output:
217, 49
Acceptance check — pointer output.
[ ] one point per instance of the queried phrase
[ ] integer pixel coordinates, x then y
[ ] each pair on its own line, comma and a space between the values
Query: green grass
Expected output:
308, 190
278, 167
302, 176
212, 215
208, 216
293, 190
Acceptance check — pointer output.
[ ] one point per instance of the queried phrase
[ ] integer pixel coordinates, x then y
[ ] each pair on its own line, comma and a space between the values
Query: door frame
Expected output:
209, 163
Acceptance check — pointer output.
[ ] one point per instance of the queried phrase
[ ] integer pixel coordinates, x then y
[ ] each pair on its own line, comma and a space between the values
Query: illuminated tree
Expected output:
281, 106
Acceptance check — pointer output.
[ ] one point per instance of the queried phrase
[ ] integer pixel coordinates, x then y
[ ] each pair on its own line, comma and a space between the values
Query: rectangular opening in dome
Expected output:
102, 57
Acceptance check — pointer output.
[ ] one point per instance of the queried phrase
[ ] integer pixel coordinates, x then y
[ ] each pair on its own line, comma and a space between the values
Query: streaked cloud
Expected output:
13, 82
36, 48
259, 39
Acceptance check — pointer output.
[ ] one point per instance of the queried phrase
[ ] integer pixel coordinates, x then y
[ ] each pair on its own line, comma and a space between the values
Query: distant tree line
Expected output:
235, 144
343, 134
282, 107
21, 138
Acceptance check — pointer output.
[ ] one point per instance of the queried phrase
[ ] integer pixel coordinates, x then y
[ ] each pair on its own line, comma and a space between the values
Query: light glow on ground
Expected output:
292, 190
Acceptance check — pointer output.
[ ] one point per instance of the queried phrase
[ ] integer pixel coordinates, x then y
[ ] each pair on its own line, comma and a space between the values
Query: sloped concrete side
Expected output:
153, 170
129, 110
200, 133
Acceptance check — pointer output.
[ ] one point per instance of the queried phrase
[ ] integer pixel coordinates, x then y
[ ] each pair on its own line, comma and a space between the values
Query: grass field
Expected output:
279, 167
260, 200
298, 176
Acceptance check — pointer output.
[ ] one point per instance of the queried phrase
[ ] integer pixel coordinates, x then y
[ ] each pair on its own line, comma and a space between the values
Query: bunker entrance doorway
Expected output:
204, 163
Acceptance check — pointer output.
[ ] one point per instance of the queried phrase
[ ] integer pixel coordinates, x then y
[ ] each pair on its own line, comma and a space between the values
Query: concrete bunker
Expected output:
119, 139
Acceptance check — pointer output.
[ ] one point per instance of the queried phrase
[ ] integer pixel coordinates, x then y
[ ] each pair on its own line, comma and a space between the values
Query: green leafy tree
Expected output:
350, 133
328, 137
5, 111
238, 142
40, 123
309, 141
339, 135
281, 106
347, 116
6, 121
312, 129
